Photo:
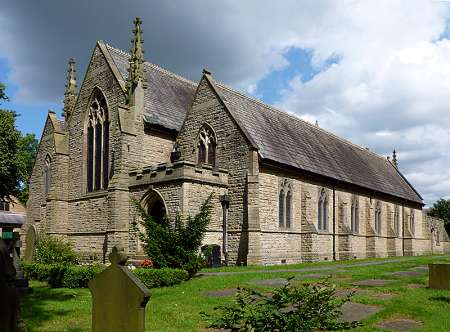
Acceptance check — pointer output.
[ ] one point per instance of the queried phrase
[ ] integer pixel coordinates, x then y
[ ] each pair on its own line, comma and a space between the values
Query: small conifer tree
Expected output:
175, 243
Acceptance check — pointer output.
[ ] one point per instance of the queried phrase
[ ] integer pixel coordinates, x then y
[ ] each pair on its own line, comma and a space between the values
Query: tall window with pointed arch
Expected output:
285, 217
355, 215
397, 220
97, 143
206, 146
412, 222
378, 218
322, 206
46, 174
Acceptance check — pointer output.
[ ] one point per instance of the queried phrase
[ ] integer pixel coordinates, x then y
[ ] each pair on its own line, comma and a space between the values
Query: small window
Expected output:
378, 218
281, 208
322, 215
4, 205
355, 215
206, 146
397, 220
46, 175
412, 222
288, 209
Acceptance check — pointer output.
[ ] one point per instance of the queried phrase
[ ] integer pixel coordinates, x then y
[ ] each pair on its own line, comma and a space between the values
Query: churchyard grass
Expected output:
177, 308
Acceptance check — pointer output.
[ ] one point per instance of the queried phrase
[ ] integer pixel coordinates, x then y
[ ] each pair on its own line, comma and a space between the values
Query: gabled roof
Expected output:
168, 95
278, 136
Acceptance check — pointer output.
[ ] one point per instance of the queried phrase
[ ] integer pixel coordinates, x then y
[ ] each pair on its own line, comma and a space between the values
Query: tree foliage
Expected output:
175, 243
308, 307
441, 209
9, 138
17, 155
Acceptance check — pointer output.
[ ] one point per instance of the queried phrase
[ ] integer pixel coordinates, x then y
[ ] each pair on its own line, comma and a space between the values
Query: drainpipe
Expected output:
334, 224
403, 230
225, 201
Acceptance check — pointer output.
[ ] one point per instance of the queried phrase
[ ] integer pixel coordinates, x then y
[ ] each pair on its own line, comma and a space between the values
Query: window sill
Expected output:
97, 193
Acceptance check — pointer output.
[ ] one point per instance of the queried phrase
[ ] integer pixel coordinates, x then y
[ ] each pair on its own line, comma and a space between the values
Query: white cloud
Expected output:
390, 88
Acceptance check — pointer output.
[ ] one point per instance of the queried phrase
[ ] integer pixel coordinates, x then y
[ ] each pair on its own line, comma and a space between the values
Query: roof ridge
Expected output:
163, 70
296, 117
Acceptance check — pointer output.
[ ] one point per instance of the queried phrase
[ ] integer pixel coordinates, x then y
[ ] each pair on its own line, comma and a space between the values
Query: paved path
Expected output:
308, 269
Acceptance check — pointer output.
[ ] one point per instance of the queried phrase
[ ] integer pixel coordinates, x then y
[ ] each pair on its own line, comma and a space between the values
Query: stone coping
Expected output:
182, 171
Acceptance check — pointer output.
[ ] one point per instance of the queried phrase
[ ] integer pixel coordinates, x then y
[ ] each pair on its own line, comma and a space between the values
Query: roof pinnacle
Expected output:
70, 95
394, 159
136, 68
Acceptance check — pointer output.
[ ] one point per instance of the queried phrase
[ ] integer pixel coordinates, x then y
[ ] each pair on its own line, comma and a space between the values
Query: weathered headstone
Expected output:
119, 298
30, 242
9, 303
439, 276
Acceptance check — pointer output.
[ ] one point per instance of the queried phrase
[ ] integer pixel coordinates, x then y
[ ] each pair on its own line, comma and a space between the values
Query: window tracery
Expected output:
206, 146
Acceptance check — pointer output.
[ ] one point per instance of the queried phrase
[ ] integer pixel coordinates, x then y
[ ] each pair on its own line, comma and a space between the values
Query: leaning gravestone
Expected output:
439, 276
119, 298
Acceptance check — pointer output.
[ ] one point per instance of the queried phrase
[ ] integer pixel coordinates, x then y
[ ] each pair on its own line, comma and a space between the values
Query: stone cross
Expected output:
119, 298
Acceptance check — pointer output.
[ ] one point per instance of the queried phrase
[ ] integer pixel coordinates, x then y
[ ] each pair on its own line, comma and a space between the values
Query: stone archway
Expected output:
155, 206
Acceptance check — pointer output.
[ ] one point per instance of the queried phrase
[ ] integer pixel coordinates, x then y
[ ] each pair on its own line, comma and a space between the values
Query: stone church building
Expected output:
284, 190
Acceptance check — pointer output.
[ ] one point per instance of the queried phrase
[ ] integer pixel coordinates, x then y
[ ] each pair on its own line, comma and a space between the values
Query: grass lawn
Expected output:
177, 308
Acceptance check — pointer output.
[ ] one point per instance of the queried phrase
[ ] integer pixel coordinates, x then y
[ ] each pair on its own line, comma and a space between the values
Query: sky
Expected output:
374, 72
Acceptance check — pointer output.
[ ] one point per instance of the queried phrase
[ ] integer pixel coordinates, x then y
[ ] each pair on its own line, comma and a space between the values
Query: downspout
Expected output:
225, 201
334, 224
403, 230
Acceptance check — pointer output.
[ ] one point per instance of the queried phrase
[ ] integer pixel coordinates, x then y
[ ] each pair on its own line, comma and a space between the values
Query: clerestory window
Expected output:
97, 142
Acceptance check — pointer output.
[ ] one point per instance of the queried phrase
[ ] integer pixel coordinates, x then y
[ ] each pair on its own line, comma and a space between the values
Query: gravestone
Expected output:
30, 242
213, 252
119, 297
439, 276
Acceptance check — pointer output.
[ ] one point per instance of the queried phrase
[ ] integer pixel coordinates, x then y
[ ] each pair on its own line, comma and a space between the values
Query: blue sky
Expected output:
374, 72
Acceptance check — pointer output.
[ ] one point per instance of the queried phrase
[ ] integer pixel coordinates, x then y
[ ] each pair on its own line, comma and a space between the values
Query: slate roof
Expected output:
279, 136
168, 95
12, 219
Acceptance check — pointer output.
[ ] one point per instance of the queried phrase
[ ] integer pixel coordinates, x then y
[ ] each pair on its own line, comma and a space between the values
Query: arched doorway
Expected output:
155, 206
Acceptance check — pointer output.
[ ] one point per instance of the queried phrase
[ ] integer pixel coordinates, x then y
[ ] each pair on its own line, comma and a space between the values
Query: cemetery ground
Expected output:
386, 291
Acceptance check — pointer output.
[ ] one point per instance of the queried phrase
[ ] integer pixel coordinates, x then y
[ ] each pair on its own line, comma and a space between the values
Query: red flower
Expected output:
147, 263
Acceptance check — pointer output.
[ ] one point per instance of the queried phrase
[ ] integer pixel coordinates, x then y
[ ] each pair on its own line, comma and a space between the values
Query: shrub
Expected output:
61, 275
289, 308
160, 277
175, 243
51, 250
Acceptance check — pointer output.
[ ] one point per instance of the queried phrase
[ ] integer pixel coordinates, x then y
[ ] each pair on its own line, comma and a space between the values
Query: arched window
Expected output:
412, 222
378, 218
397, 220
206, 146
97, 142
355, 215
46, 175
281, 208
322, 222
288, 209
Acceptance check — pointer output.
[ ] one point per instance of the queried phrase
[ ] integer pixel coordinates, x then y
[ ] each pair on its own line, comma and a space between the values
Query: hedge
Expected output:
78, 276
153, 278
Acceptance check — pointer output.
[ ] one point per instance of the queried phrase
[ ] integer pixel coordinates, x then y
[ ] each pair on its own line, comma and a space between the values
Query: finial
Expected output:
70, 95
206, 71
317, 123
136, 69
394, 159
118, 256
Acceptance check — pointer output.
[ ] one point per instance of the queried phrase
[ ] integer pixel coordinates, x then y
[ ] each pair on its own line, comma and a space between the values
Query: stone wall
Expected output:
304, 242
232, 154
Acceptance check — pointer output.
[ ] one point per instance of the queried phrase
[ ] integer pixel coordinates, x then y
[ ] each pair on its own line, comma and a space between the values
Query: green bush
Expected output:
51, 250
160, 277
36, 271
289, 308
176, 243
61, 275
